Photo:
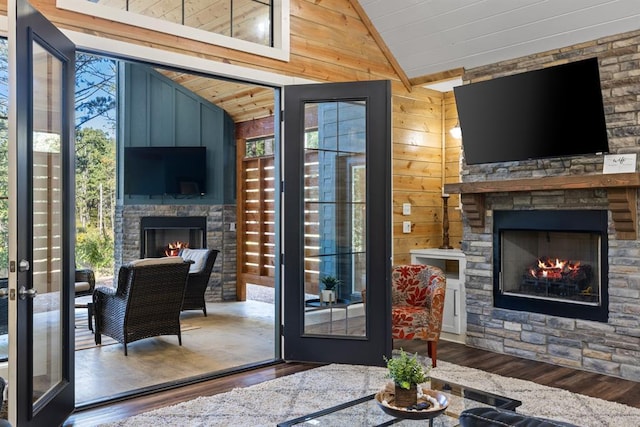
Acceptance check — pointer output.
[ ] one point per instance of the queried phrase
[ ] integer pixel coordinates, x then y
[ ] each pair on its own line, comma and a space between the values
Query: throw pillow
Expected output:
198, 256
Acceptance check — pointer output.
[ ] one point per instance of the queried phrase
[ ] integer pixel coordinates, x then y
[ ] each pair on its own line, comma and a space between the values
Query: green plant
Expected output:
405, 370
330, 282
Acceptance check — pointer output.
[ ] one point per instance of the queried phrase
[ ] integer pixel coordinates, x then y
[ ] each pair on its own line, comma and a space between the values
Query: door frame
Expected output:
376, 343
26, 27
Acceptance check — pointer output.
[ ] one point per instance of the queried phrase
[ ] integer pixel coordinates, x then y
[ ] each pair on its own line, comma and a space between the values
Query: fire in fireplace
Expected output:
165, 236
552, 262
563, 278
173, 248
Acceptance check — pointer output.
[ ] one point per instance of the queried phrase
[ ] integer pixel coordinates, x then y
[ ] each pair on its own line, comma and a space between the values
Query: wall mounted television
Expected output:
552, 112
172, 171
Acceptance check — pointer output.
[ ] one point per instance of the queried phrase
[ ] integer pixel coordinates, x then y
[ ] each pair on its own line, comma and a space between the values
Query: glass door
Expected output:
41, 217
337, 200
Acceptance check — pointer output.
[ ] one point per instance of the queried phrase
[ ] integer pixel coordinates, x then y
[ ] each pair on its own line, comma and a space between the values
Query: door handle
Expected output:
4, 293
24, 293
23, 265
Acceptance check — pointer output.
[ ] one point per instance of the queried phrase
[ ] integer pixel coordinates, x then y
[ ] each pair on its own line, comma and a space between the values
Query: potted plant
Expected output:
406, 373
328, 293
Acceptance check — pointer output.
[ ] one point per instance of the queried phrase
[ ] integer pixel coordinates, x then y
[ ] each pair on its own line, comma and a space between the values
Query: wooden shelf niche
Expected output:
621, 191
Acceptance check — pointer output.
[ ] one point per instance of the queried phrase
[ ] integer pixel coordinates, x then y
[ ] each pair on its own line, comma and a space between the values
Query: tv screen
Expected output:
552, 112
165, 170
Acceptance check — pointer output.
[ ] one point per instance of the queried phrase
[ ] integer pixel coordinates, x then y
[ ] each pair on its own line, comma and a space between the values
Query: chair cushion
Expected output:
156, 261
198, 256
82, 286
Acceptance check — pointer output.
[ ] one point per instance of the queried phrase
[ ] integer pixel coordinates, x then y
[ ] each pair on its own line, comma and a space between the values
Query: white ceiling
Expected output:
432, 36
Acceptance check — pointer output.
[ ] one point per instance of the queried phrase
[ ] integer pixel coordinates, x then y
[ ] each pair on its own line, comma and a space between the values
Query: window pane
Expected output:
334, 217
248, 20
252, 21
212, 16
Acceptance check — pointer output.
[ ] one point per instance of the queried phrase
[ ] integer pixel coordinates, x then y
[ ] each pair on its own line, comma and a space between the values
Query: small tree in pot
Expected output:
406, 373
329, 283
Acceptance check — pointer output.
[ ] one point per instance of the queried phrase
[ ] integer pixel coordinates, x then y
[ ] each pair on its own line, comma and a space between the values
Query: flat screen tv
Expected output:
552, 112
165, 171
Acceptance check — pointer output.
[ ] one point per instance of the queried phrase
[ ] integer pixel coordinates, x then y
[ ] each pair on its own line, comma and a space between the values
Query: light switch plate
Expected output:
406, 226
406, 209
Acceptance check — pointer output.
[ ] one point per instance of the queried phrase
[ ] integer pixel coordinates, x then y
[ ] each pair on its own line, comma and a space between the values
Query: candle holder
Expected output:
445, 222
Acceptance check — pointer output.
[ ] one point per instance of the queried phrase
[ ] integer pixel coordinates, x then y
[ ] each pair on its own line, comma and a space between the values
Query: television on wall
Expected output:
174, 171
552, 112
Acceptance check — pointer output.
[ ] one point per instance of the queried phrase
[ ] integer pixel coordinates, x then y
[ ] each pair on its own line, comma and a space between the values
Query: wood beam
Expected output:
436, 77
381, 44
621, 191
573, 182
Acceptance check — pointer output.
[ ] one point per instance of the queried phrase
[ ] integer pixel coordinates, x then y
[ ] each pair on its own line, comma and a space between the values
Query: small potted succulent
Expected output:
329, 284
406, 373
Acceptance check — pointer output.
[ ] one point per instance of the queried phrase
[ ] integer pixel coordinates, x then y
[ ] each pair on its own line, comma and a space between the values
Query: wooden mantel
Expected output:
621, 191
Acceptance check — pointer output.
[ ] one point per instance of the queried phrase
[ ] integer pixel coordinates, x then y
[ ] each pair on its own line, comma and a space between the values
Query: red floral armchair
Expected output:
417, 304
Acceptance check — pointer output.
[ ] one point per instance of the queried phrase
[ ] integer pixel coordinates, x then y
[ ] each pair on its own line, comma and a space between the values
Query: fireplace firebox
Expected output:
165, 235
552, 262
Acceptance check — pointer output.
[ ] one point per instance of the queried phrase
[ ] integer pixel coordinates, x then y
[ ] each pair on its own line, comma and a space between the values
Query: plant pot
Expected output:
327, 296
405, 398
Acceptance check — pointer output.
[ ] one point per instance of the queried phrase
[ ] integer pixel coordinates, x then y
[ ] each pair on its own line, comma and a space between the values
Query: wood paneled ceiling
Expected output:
242, 101
428, 37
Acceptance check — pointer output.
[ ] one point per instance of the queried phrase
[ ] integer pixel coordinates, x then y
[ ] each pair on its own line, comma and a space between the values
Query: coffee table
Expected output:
366, 412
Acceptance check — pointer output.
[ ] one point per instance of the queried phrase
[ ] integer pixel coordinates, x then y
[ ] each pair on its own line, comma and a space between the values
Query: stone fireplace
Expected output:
562, 327
143, 230
610, 346
551, 262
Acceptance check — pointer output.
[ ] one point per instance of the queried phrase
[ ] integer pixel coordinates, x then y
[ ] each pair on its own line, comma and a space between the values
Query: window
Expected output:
259, 147
260, 27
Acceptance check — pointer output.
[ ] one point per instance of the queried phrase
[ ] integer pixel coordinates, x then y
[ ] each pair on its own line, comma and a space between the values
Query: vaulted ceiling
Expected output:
428, 37
434, 39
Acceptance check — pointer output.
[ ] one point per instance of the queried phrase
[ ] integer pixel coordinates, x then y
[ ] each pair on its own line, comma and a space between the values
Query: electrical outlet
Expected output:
406, 209
406, 226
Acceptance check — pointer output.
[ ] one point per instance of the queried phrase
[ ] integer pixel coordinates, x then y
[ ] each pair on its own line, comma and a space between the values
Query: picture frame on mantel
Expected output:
619, 163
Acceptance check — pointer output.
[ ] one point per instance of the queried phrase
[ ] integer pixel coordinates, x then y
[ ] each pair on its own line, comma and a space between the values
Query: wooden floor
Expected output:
604, 387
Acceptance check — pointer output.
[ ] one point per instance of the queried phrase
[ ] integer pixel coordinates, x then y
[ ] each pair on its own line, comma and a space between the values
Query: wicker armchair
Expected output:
200, 271
146, 302
85, 282
417, 304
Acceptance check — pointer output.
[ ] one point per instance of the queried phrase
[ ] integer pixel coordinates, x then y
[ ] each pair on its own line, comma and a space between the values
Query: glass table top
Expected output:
366, 412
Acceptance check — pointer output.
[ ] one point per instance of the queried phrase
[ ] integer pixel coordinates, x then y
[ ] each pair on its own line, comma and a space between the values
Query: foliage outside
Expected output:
406, 370
95, 106
95, 95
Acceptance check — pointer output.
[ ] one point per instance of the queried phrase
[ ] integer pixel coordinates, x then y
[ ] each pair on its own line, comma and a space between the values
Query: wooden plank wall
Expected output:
330, 43
417, 170
47, 252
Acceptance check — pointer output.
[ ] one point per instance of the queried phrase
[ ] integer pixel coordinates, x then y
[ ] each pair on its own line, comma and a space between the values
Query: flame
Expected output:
553, 268
173, 248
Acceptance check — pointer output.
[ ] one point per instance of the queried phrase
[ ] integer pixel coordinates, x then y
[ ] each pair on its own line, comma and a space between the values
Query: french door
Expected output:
41, 253
337, 222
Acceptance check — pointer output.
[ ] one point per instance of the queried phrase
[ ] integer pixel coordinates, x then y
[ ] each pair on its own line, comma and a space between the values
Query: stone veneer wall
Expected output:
611, 348
222, 284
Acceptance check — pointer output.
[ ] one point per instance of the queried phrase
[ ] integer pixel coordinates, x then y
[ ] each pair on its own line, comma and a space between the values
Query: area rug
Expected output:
281, 399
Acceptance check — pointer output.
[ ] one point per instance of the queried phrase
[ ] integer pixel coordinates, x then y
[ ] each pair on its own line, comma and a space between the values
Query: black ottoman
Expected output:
493, 417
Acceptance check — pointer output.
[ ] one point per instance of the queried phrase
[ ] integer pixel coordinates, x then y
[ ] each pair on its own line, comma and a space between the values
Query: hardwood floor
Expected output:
602, 386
